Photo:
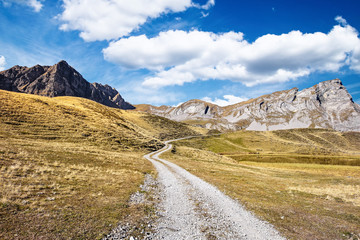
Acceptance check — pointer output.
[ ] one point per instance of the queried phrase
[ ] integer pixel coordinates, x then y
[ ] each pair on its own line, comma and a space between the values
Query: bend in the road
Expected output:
195, 209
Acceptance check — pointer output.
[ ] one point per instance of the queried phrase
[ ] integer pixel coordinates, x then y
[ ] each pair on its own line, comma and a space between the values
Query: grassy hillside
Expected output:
306, 181
68, 165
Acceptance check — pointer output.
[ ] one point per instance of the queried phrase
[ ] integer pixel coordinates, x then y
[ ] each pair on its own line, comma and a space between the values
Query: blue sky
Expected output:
170, 51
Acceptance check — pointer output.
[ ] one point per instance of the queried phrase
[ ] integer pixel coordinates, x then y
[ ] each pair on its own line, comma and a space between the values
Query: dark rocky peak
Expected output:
106, 89
64, 69
109, 96
34, 72
63, 63
19, 71
59, 80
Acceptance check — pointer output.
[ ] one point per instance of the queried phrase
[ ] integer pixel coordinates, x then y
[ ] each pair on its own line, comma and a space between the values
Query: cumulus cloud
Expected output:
112, 19
168, 49
226, 101
178, 57
2, 63
35, 4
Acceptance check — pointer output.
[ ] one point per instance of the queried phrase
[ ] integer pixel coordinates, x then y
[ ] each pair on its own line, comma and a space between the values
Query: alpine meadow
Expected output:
179, 119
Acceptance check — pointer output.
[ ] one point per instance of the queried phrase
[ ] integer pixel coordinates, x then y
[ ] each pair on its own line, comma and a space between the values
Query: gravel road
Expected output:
194, 209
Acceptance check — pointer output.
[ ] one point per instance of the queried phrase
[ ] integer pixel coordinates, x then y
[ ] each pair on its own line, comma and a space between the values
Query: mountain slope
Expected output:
68, 165
325, 105
79, 119
59, 80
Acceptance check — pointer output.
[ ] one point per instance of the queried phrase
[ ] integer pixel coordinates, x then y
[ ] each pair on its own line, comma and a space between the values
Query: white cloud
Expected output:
35, 4
2, 63
341, 20
226, 101
112, 19
178, 57
168, 49
204, 15
207, 6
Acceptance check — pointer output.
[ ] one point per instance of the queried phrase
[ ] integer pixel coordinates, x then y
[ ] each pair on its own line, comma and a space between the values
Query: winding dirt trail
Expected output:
194, 209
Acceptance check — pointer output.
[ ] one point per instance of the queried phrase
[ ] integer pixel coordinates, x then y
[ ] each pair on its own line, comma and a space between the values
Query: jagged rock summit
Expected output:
59, 80
325, 105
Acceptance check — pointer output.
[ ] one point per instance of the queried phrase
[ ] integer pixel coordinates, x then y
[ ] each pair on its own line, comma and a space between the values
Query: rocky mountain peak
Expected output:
332, 91
63, 63
59, 80
325, 105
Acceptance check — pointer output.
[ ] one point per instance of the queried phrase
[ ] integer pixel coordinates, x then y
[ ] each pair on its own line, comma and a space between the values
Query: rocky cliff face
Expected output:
325, 105
59, 80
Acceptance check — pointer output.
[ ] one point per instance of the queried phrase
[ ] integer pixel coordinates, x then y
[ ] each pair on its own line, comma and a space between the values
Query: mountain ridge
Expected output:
59, 80
324, 105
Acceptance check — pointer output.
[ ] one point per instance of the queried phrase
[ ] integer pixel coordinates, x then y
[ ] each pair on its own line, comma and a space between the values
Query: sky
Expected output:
165, 52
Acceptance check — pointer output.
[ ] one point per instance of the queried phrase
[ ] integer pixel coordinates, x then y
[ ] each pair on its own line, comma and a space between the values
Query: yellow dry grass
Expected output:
302, 195
69, 165
348, 193
57, 190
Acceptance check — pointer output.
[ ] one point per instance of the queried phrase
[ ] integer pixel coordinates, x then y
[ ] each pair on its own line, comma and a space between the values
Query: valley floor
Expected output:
309, 189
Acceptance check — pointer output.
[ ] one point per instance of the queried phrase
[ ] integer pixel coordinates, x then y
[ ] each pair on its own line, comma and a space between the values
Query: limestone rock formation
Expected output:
325, 105
59, 80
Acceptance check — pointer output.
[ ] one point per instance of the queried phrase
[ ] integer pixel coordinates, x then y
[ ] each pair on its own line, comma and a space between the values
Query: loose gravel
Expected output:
191, 208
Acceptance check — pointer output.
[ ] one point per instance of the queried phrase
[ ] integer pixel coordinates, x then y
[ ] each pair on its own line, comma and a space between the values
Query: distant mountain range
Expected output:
59, 80
325, 105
